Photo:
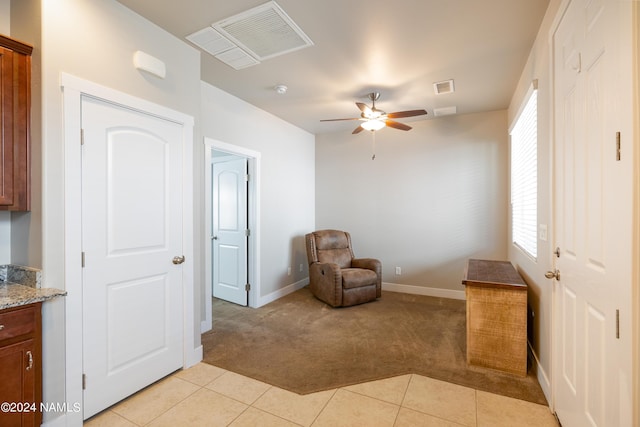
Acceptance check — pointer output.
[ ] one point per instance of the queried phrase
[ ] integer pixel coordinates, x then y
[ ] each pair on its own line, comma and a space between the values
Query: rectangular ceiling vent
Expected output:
443, 87
444, 111
210, 41
222, 48
264, 31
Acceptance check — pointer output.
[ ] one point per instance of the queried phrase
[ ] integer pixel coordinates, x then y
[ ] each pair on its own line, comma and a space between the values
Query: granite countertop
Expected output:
22, 285
14, 295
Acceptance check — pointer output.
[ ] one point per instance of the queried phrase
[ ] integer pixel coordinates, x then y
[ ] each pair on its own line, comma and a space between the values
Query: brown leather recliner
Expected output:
335, 275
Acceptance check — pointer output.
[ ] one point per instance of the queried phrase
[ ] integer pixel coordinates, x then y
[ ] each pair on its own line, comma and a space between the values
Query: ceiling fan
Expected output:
374, 119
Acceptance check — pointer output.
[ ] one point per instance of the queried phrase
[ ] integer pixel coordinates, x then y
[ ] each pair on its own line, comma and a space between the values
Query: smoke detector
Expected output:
280, 89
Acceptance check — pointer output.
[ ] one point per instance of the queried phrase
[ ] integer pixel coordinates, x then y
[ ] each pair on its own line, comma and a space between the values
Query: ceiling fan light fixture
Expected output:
373, 125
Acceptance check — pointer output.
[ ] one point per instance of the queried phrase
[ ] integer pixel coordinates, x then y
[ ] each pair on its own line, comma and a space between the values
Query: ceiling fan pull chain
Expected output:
373, 145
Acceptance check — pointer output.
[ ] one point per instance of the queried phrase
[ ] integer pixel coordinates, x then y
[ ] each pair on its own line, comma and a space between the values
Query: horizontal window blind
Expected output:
524, 177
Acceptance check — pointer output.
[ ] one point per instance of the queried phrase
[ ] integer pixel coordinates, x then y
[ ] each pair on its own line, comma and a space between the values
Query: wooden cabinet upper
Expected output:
15, 114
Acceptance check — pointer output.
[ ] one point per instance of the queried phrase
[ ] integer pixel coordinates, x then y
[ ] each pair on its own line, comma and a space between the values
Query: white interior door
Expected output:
230, 230
132, 230
592, 220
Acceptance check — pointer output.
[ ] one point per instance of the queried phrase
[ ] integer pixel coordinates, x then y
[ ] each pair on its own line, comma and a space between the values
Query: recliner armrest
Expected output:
368, 263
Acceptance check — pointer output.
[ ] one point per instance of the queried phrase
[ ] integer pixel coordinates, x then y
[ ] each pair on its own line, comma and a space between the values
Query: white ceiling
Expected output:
398, 48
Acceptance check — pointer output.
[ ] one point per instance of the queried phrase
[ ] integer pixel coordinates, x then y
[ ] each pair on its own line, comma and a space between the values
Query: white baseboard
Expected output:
206, 326
193, 357
60, 421
422, 290
282, 292
541, 375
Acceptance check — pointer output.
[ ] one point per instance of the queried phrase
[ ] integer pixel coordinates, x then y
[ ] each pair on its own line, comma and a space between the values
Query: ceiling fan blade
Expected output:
366, 110
357, 130
338, 120
396, 125
409, 113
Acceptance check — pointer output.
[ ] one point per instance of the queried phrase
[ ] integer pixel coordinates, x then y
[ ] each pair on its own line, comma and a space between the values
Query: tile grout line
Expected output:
177, 403
400, 406
324, 407
249, 405
475, 394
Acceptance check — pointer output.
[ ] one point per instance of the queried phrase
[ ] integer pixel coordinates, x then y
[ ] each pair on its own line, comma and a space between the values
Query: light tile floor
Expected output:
205, 395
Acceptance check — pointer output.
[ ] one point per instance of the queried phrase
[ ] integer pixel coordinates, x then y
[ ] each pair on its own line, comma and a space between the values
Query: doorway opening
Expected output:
229, 266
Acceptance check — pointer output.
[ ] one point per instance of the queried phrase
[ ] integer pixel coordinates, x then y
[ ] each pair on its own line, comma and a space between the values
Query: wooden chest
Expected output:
496, 316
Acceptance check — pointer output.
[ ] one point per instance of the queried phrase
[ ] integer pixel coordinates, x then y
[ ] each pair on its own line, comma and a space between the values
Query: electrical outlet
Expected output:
398, 271
301, 267
288, 271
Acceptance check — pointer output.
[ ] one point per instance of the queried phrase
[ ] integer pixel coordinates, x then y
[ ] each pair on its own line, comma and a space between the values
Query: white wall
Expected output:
287, 179
26, 227
540, 289
5, 217
95, 41
433, 196
5, 238
5, 17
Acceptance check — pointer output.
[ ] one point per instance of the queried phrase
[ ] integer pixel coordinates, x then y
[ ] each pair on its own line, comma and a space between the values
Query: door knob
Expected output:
555, 274
178, 259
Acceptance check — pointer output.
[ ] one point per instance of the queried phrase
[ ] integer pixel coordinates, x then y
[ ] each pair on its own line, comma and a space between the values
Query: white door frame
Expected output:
73, 89
253, 158
221, 162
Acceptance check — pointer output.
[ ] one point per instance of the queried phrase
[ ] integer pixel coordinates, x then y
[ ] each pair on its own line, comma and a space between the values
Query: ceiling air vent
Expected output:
444, 111
246, 39
226, 51
210, 41
264, 31
443, 87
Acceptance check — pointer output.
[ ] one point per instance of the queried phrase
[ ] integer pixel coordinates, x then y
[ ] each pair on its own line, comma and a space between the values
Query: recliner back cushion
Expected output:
333, 246
342, 257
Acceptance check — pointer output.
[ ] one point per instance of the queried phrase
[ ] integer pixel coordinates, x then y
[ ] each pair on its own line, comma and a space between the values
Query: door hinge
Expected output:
618, 324
81, 136
247, 177
247, 287
247, 232
618, 146
82, 259
84, 381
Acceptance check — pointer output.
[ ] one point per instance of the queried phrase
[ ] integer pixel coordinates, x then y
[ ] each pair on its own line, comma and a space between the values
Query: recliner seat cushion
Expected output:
357, 278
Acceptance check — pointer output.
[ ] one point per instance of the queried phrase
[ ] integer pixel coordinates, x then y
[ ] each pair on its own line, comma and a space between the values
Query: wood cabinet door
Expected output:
18, 373
6, 126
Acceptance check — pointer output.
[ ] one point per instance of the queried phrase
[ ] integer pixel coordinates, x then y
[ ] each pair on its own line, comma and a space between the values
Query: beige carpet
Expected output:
303, 345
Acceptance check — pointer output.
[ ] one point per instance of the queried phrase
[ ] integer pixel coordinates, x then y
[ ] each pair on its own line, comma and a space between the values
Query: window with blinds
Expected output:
524, 176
